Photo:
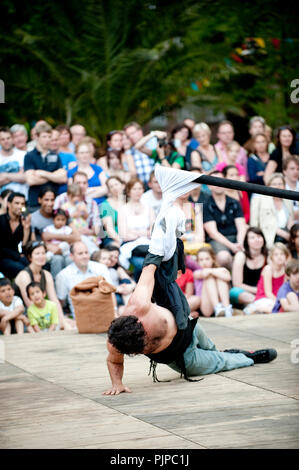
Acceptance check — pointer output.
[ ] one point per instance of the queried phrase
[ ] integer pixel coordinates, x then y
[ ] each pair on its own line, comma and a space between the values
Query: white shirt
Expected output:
148, 198
16, 302
14, 164
72, 275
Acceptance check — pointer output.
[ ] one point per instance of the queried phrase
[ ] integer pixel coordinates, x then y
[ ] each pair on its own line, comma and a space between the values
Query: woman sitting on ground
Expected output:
247, 267
36, 255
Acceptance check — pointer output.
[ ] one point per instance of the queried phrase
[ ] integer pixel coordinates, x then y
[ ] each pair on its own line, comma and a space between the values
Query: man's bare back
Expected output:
158, 323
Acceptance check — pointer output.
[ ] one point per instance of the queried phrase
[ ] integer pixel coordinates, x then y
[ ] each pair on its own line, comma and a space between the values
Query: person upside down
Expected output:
156, 321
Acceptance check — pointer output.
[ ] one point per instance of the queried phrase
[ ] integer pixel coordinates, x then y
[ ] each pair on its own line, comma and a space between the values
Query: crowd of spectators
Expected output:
69, 211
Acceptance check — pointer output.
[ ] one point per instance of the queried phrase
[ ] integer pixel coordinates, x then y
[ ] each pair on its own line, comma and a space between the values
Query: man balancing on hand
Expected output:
156, 320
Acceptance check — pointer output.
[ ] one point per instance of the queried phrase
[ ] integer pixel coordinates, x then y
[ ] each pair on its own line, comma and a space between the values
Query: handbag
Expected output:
93, 305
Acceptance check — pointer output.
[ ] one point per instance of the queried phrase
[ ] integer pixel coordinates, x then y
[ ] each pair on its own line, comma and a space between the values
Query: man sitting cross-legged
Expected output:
163, 330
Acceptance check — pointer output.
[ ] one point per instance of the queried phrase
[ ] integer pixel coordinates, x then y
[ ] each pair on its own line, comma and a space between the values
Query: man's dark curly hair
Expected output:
127, 335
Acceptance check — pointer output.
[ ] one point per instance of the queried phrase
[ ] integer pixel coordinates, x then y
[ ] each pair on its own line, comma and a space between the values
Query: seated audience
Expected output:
231, 172
54, 246
153, 196
12, 174
78, 132
285, 146
94, 225
42, 313
258, 159
233, 149
272, 278
110, 209
290, 169
273, 215
43, 216
207, 153
80, 269
3, 200
135, 222
181, 135
36, 255
186, 283
224, 224
68, 160
12, 317
15, 229
225, 134
115, 166
120, 279
287, 299
256, 126
42, 166
97, 188
143, 163
247, 267
20, 137
211, 283
293, 243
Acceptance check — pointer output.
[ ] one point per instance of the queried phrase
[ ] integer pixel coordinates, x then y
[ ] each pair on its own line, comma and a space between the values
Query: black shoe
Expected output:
261, 356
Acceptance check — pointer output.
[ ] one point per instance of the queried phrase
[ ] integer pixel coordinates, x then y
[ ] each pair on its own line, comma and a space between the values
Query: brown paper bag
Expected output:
93, 305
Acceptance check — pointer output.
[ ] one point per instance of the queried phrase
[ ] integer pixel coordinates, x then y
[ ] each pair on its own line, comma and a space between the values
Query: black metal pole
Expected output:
249, 187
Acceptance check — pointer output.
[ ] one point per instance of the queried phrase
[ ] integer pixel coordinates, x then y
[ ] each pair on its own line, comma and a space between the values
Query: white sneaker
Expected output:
219, 310
229, 311
249, 309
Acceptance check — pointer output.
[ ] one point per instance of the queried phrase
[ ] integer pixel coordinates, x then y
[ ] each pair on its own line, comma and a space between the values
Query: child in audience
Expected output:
59, 227
121, 280
272, 278
287, 299
233, 150
76, 207
42, 313
211, 283
11, 310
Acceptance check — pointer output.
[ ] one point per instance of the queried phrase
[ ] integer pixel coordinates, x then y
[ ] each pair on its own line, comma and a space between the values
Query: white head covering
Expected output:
170, 222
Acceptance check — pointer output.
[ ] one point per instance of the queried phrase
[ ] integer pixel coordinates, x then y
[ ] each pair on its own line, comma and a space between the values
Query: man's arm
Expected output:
34, 179
59, 176
211, 229
115, 364
142, 295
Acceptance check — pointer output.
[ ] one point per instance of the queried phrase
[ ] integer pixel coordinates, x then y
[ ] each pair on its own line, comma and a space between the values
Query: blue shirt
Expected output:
34, 161
65, 158
93, 181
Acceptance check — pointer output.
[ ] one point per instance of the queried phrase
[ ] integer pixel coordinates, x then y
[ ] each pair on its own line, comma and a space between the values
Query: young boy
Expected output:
42, 313
11, 310
287, 299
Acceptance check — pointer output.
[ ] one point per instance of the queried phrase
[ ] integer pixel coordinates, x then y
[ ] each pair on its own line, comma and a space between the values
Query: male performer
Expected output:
163, 330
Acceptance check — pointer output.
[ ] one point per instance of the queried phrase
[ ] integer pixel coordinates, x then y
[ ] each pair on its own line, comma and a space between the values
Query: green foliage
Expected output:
104, 63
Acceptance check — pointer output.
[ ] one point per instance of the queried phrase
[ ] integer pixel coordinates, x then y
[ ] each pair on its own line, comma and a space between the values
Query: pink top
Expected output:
241, 158
222, 165
276, 284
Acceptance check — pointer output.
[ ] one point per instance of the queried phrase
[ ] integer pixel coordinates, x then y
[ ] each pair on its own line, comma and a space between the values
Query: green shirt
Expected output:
106, 210
174, 157
43, 317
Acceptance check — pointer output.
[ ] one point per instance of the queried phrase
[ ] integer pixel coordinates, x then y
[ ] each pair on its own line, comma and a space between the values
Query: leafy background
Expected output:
104, 63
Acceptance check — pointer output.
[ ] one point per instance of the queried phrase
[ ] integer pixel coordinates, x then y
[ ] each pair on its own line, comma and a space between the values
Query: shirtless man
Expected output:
147, 328
158, 332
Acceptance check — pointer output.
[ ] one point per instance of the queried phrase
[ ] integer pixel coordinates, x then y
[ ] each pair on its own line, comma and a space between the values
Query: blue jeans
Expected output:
202, 358
137, 262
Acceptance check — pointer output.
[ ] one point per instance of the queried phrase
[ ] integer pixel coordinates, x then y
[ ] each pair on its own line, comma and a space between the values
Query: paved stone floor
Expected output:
51, 388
